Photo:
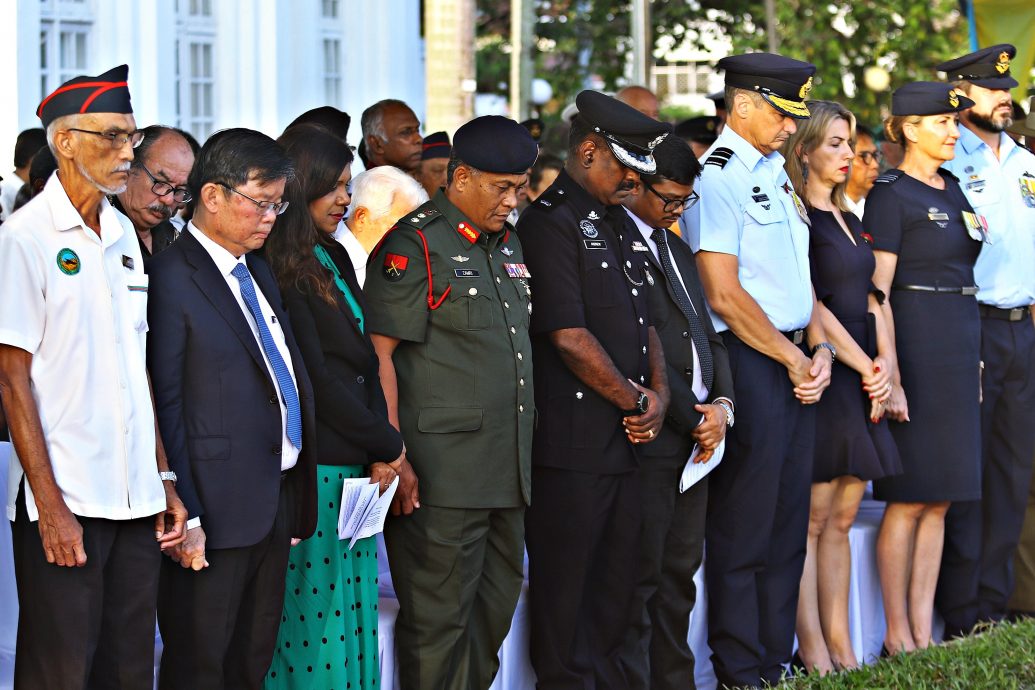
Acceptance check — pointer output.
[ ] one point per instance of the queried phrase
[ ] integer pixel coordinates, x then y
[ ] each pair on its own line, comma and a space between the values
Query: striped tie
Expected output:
280, 370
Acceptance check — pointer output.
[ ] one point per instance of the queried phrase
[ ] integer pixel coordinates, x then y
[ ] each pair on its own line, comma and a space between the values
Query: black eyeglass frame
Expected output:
181, 195
134, 138
671, 205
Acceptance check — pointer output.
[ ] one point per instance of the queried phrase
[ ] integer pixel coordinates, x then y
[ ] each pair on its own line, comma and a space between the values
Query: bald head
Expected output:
641, 98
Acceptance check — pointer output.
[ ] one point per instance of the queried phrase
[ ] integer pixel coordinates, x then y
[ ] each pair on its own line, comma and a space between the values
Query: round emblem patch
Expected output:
588, 229
68, 262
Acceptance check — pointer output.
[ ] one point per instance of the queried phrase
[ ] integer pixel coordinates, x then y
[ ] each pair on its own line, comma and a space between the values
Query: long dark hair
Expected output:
319, 158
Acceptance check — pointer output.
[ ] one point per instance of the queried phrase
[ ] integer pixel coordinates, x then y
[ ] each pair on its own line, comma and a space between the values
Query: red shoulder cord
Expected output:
433, 304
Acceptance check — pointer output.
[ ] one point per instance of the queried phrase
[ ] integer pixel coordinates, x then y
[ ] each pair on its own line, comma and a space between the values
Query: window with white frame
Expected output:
195, 67
330, 9
332, 76
65, 27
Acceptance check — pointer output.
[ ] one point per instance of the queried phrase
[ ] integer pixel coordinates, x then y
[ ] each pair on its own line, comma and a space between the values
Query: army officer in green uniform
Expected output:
449, 311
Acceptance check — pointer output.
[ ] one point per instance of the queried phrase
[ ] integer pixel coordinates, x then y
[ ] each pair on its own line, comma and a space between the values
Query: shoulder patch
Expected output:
949, 174
889, 177
720, 157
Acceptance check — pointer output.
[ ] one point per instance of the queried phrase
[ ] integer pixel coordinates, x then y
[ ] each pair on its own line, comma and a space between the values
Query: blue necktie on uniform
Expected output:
280, 370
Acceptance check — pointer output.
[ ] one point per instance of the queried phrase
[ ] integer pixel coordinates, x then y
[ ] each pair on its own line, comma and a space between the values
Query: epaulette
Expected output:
720, 157
949, 174
421, 216
551, 198
889, 177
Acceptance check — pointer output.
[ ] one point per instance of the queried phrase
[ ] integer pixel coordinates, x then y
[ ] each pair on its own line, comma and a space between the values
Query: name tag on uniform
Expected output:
517, 271
466, 272
638, 246
595, 244
760, 198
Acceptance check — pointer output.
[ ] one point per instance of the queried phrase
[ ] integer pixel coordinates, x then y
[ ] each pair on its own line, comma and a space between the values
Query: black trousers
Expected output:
582, 533
219, 625
89, 627
758, 516
671, 549
976, 577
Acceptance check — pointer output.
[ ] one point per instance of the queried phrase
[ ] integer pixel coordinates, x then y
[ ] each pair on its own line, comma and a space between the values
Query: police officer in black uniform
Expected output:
600, 389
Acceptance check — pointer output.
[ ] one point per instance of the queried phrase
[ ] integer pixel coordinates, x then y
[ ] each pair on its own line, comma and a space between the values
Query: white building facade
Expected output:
204, 65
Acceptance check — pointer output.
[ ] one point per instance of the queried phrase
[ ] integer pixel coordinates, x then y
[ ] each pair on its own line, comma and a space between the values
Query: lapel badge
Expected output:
68, 262
588, 229
507, 251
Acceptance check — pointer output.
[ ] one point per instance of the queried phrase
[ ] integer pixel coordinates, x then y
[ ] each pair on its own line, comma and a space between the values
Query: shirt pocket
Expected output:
765, 231
470, 305
137, 284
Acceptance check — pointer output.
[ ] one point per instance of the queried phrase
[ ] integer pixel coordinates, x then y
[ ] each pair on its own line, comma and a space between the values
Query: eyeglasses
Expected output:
263, 206
117, 139
671, 205
181, 195
870, 157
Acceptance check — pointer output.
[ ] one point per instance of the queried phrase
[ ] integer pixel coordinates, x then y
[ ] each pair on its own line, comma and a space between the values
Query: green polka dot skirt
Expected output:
328, 631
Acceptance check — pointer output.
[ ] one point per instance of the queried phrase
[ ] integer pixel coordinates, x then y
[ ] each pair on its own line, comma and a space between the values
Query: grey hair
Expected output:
372, 121
730, 93
60, 123
376, 190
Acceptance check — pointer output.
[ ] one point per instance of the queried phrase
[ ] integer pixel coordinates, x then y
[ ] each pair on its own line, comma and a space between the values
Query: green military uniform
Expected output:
459, 302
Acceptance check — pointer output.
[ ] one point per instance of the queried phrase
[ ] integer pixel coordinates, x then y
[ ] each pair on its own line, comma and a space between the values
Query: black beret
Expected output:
630, 134
989, 67
535, 128
703, 129
928, 98
783, 82
107, 93
330, 118
495, 144
436, 146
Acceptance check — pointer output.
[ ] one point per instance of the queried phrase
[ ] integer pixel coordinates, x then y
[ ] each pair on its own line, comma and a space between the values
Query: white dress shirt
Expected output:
697, 386
226, 262
357, 254
77, 302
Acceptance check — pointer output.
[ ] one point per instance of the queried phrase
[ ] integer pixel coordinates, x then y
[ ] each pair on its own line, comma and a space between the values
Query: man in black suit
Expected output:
235, 408
672, 536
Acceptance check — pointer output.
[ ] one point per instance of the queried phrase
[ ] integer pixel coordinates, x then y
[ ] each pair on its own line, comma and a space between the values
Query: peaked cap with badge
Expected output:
629, 134
988, 68
928, 98
782, 81
107, 93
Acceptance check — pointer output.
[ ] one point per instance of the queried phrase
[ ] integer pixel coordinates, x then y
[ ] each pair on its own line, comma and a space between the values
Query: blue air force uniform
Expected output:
981, 536
759, 497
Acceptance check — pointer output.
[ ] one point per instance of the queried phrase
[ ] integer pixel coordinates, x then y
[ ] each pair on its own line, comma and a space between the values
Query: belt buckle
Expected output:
798, 336
1017, 313
969, 290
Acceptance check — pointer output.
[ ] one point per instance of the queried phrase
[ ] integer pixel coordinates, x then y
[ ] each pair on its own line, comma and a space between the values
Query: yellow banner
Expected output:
1009, 21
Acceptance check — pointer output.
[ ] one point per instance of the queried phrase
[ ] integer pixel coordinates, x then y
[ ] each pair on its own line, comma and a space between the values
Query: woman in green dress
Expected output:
328, 630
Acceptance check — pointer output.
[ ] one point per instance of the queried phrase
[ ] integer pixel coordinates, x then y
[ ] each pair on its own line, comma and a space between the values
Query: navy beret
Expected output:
330, 118
107, 93
629, 134
782, 81
436, 146
495, 144
989, 67
928, 98
701, 129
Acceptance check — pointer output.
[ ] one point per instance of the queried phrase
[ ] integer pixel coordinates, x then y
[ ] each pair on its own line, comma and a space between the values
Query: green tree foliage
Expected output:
579, 42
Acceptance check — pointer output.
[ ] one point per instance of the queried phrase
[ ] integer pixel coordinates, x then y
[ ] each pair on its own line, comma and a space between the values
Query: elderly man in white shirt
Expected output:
380, 197
86, 491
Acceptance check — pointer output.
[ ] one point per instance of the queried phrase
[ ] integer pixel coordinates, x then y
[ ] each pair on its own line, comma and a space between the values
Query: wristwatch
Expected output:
827, 346
168, 477
642, 403
727, 408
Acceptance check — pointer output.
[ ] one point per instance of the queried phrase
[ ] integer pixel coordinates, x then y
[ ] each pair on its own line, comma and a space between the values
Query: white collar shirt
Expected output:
1003, 191
225, 264
77, 302
357, 254
697, 385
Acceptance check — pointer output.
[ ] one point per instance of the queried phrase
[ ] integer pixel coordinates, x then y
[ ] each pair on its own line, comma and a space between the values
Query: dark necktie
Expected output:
284, 381
697, 332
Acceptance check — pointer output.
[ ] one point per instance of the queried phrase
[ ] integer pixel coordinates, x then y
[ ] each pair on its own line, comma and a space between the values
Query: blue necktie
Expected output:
280, 370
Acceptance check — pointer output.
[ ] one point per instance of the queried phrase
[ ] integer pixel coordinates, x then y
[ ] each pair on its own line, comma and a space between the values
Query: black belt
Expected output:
987, 311
969, 290
797, 337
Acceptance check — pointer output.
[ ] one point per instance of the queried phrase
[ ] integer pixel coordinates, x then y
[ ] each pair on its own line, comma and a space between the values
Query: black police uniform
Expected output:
583, 525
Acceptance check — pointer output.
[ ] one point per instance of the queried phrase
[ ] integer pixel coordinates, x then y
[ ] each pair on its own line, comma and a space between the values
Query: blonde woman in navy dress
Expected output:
926, 239
853, 445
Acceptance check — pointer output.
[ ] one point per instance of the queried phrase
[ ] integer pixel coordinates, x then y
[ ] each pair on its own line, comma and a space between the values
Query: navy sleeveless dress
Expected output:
847, 442
937, 335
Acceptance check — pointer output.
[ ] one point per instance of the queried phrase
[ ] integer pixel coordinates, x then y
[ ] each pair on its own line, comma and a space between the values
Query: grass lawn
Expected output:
1001, 657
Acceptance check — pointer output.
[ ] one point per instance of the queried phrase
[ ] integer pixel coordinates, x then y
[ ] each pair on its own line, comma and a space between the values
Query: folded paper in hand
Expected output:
694, 472
363, 509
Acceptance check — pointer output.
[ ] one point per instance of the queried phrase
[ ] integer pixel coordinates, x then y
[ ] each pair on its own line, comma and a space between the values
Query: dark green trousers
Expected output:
457, 575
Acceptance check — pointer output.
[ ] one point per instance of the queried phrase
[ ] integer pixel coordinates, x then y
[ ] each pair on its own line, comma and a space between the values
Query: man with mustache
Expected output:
600, 390
998, 177
157, 187
91, 496
751, 236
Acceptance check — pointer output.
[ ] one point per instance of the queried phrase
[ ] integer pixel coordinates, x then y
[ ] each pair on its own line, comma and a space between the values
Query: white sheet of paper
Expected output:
694, 472
363, 508
374, 516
